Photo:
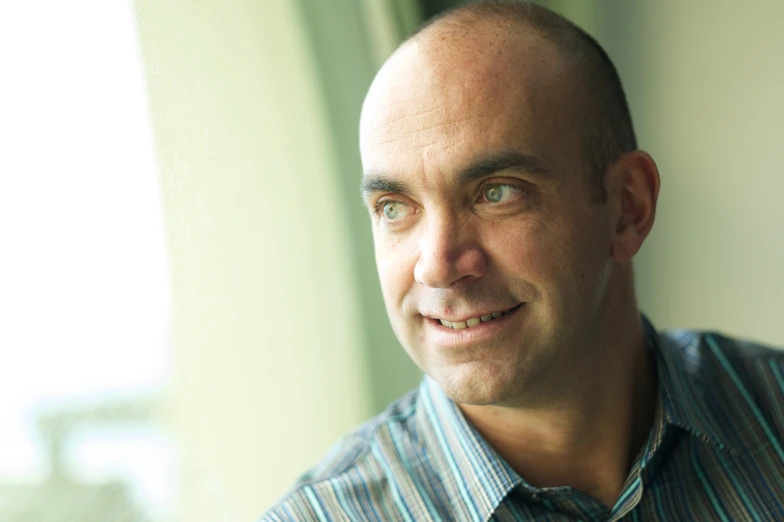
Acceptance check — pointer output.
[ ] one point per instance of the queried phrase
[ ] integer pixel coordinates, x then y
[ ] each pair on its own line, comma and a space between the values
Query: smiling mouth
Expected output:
476, 321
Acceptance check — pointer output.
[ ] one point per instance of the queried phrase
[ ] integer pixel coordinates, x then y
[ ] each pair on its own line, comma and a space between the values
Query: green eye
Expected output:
501, 193
390, 210
493, 193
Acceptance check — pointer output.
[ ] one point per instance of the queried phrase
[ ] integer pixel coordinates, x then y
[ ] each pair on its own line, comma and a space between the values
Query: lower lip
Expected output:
444, 336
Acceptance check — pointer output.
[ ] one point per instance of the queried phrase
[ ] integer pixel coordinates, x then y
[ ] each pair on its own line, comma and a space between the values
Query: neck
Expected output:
588, 439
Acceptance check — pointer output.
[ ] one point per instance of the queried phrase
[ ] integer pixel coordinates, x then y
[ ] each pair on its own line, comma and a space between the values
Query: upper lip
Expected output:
466, 317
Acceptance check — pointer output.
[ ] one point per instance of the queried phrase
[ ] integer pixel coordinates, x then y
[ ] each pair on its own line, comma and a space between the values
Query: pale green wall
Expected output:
705, 81
269, 358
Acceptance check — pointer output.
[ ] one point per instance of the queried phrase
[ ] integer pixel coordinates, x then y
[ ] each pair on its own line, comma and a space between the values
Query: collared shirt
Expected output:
715, 452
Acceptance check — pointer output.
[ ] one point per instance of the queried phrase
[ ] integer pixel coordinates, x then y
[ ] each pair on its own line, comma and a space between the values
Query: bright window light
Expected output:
84, 299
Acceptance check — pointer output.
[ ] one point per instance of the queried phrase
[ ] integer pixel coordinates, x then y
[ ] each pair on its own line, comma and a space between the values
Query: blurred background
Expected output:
189, 310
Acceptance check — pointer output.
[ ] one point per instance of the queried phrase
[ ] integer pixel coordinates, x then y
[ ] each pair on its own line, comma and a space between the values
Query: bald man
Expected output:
508, 199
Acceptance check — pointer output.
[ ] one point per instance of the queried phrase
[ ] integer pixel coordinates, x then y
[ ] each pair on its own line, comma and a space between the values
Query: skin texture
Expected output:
562, 387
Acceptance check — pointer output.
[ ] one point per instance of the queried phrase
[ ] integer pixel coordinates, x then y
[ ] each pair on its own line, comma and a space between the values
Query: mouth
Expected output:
476, 321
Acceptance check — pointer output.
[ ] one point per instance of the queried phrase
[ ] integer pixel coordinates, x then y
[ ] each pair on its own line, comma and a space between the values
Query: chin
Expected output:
477, 384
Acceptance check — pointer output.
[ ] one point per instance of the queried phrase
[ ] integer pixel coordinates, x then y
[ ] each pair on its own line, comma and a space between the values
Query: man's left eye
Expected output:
500, 193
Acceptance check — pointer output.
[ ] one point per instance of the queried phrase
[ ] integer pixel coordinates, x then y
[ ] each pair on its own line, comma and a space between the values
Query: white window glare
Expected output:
84, 299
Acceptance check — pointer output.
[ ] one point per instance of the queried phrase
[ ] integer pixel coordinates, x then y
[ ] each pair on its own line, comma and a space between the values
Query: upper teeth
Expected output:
468, 323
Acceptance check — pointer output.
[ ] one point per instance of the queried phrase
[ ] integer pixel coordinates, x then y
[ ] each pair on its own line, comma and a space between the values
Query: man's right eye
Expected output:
393, 210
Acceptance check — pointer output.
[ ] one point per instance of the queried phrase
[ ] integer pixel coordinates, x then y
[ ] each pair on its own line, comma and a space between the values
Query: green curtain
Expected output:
349, 41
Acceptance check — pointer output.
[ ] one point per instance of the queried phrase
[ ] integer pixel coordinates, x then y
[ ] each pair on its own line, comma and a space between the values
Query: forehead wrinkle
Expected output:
440, 126
396, 119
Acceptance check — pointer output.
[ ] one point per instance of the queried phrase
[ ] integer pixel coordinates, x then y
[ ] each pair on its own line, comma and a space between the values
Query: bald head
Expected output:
504, 40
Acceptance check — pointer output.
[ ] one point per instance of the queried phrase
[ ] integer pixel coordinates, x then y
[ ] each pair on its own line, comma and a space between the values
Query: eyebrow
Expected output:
375, 181
502, 161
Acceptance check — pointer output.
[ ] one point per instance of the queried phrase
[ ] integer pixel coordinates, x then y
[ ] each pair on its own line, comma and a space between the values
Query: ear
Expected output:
634, 189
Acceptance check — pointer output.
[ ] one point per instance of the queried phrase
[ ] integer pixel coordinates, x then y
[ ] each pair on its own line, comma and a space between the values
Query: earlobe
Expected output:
637, 193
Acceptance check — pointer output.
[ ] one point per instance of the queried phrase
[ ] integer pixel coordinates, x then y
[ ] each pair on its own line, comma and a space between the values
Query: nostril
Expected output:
465, 279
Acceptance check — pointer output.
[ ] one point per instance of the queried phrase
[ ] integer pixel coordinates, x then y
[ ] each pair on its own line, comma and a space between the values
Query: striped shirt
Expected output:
715, 452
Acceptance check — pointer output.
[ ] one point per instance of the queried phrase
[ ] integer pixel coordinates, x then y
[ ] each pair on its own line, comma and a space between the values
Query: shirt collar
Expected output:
682, 394
479, 479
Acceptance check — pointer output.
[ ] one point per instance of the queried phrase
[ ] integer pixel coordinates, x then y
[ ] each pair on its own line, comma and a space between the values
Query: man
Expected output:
508, 199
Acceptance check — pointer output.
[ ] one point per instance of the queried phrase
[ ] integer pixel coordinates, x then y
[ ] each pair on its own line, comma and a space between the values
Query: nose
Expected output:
448, 254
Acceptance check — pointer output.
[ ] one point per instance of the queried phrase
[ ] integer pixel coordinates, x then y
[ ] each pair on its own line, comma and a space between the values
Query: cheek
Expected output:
531, 250
395, 261
548, 257
563, 258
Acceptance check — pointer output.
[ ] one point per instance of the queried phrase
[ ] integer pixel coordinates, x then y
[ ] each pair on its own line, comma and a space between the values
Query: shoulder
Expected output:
741, 379
712, 355
353, 478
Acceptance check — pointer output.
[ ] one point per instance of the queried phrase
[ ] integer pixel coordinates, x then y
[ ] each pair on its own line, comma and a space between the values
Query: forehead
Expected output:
442, 101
